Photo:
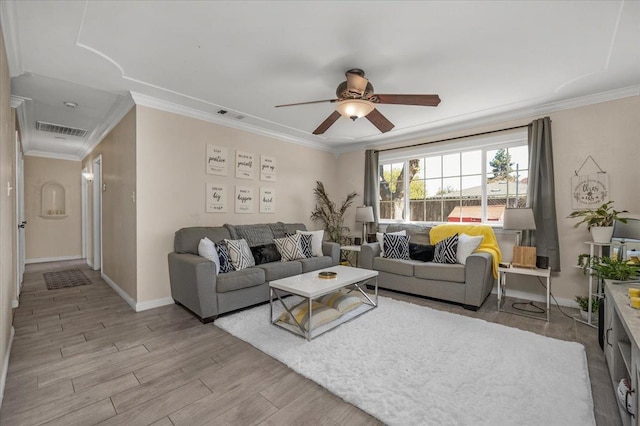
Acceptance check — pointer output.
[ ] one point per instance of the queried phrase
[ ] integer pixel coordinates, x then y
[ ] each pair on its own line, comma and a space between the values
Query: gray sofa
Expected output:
468, 285
195, 285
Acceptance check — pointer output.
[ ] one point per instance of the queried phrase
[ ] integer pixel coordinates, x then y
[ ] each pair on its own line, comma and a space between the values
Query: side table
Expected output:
535, 272
349, 253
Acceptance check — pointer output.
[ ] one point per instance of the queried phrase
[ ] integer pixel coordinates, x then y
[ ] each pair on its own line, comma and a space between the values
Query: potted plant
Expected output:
599, 221
607, 268
329, 215
583, 301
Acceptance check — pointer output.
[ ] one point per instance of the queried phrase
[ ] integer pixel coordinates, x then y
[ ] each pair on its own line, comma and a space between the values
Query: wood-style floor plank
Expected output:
82, 356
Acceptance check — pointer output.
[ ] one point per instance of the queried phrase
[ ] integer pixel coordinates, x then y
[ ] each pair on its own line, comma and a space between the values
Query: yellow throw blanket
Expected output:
489, 243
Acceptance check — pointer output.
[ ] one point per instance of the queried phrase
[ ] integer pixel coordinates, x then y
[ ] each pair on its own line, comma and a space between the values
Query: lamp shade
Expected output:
518, 219
354, 108
364, 214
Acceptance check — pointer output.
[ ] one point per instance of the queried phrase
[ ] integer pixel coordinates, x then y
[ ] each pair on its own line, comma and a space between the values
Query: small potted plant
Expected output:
607, 268
599, 221
583, 301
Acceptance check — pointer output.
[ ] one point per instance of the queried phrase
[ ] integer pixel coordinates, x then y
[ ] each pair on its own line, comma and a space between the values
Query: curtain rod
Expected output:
451, 139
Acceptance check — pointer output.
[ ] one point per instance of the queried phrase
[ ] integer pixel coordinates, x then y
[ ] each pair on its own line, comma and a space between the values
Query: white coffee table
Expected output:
310, 287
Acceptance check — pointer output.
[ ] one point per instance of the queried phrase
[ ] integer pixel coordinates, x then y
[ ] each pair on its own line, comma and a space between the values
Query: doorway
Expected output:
20, 221
97, 213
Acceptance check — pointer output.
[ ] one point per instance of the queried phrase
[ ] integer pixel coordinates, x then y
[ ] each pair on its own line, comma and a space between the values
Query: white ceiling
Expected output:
488, 61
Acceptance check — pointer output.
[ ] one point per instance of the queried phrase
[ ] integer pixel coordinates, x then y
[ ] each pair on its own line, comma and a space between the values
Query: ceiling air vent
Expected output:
63, 130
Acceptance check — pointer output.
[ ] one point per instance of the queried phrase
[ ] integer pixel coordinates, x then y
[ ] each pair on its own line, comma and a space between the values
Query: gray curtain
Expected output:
371, 181
541, 193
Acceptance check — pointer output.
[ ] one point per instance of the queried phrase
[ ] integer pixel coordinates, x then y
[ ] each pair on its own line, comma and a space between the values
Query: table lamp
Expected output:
520, 220
364, 214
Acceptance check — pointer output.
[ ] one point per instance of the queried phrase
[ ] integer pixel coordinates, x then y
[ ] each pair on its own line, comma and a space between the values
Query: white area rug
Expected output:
410, 365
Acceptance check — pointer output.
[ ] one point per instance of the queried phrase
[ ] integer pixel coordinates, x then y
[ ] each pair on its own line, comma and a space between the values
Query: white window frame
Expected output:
486, 143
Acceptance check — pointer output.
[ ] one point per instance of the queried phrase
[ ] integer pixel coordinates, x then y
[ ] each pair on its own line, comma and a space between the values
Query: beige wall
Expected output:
171, 151
118, 151
47, 238
608, 131
7, 213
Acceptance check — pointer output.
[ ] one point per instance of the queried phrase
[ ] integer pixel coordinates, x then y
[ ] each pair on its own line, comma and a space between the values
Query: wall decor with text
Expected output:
244, 199
245, 165
267, 168
216, 198
267, 200
217, 159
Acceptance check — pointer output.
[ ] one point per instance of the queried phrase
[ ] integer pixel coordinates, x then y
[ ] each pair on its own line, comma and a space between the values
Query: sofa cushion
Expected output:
279, 229
305, 244
207, 249
186, 240
446, 250
395, 266
316, 241
278, 270
396, 246
240, 253
265, 254
289, 247
419, 233
315, 263
380, 239
291, 228
440, 272
255, 235
237, 280
224, 258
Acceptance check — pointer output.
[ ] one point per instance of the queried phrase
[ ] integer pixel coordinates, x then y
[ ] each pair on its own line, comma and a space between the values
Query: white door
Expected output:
20, 251
97, 213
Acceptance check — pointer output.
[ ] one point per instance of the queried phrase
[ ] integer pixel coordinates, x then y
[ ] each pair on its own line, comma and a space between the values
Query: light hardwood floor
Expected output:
82, 356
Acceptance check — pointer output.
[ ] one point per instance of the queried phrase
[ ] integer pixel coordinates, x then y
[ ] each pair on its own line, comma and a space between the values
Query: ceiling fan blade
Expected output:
356, 83
423, 100
327, 123
380, 121
307, 103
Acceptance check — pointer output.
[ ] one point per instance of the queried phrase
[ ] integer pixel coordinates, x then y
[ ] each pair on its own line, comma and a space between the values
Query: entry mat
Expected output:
66, 278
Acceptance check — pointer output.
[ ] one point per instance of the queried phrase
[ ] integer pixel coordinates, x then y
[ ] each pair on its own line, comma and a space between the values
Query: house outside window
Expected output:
468, 182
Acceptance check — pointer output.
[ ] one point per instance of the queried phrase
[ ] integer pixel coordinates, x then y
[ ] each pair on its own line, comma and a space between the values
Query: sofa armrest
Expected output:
479, 279
367, 252
331, 249
193, 283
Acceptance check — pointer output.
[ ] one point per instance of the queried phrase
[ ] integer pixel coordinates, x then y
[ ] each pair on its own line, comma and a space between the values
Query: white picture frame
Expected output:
244, 200
267, 168
245, 165
216, 198
217, 160
267, 200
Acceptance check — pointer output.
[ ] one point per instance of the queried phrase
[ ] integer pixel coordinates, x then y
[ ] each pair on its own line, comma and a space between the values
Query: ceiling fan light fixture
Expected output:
354, 108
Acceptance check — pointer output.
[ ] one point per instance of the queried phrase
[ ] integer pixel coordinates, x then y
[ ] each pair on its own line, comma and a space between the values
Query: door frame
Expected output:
97, 213
84, 183
20, 218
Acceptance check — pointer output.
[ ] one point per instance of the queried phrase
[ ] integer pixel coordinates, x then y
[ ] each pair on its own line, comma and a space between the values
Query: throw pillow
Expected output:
305, 244
380, 238
316, 241
223, 256
421, 252
321, 315
265, 254
467, 245
207, 249
341, 301
446, 250
289, 247
240, 254
396, 246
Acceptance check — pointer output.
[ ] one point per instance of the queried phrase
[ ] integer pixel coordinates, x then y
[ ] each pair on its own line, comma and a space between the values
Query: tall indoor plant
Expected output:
599, 221
329, 214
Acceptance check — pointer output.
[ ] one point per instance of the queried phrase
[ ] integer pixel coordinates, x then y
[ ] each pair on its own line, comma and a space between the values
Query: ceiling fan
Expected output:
355, 99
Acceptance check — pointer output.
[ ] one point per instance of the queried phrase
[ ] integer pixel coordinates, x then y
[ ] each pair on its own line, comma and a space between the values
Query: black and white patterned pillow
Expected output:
305, 245
396, 246
223, 255
240, 254
446, 250
289, 247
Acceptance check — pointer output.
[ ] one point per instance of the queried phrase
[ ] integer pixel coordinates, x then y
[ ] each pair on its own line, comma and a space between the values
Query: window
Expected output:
466, 184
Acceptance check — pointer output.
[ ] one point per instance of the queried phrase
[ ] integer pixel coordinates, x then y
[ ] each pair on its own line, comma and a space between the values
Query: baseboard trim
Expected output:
118, 290
156, 303
53, 259
89, 263
536, 297
5, 365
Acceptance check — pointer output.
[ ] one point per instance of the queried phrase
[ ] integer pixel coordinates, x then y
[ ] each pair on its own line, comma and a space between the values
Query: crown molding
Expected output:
16, 101
498, 115
167, 106
53, 155
9, 20
113, 117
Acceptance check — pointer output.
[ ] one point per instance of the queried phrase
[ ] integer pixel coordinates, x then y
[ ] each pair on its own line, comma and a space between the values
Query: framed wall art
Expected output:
216, 197
245, 165
217, 160
244, 199
267, 200
267, 168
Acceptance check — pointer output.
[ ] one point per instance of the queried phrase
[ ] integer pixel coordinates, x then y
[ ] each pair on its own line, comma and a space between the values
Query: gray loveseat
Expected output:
468, 285
195, 285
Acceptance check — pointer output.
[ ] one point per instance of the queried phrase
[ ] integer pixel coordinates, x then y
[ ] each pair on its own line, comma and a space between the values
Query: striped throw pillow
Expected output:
446, 250
341, 301
320, 315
